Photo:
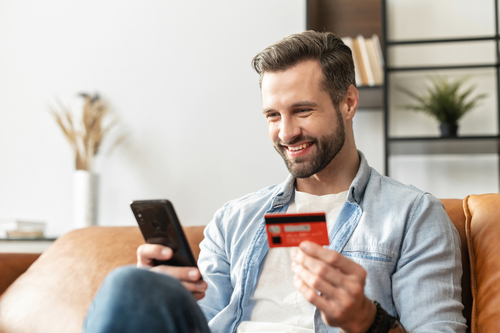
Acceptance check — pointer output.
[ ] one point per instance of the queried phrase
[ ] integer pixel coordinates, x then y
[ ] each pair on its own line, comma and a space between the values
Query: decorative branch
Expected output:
86, 139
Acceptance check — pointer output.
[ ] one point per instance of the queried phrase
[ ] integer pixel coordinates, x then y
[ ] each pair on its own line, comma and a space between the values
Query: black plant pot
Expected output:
448, 130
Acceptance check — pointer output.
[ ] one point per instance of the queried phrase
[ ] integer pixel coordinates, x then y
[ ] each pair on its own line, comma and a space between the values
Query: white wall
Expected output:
176, 73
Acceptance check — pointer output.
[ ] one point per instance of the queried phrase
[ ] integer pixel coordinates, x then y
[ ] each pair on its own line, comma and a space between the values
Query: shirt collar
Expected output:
358, 185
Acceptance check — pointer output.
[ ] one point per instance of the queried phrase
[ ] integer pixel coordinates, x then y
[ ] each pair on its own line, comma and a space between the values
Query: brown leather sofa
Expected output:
51, 292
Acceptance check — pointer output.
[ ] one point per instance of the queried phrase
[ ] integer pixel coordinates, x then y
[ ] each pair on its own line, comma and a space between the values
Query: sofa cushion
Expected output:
483, 236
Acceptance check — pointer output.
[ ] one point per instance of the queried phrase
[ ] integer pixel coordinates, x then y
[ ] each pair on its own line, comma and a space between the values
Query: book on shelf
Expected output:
361, 64
376, 67
16, 228
17, 234
368, 60
378, 48
349, 42
363, 55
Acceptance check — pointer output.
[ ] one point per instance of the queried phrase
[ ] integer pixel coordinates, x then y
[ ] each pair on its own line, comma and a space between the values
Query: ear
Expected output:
351, 100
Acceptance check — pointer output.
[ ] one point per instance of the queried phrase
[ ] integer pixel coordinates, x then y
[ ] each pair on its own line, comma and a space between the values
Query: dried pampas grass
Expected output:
86, 136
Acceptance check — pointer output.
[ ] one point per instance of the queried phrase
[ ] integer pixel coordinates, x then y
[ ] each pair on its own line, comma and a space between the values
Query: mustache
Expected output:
295, 140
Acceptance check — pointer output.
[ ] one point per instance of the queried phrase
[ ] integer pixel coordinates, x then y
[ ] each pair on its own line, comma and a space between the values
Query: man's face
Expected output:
305, 127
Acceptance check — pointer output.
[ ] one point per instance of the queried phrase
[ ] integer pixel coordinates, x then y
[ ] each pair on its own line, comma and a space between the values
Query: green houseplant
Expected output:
446, 101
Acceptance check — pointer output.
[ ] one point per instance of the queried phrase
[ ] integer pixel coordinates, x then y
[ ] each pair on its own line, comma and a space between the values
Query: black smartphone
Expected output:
159, 225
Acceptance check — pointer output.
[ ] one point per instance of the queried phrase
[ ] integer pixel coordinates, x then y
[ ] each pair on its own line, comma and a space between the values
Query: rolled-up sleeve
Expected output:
427, 280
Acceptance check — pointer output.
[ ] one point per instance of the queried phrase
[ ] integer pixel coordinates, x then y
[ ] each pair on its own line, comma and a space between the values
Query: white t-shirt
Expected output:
276, 306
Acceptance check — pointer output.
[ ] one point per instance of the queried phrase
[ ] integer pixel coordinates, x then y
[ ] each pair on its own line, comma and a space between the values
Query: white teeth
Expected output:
302, 146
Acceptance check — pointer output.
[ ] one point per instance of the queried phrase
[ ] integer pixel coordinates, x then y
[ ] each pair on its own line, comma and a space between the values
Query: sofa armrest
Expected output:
483, 234
55, 292
455, 210
12, 265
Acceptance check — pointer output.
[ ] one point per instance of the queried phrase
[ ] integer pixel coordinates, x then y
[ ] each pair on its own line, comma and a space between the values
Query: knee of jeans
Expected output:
127, 276
138, 280
125, 273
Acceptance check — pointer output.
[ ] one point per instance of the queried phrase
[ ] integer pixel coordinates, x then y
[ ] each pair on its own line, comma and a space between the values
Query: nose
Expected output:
289, 129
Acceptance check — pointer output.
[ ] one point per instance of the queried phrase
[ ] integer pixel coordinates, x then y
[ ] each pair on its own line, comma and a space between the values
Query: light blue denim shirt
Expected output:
400, 235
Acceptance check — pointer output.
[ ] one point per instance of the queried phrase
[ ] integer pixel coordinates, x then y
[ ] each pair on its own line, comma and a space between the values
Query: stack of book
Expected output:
368, 60
14, 228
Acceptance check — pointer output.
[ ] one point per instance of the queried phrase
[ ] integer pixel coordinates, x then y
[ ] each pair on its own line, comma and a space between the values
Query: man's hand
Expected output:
190, 277
341, 283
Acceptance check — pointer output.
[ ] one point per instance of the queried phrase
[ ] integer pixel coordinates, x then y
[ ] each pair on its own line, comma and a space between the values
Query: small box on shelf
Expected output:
17, 228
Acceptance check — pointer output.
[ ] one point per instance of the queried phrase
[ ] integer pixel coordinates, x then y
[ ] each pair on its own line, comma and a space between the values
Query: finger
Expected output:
334, 312
195, 287
311, 295
189, 274
190, 277
333, 302
345, 296
318, 267
146, 253
331, 257
199, 295
316, 282
352, 284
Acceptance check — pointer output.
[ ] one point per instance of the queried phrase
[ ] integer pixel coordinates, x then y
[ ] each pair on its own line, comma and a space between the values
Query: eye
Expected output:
272, 115
303, 111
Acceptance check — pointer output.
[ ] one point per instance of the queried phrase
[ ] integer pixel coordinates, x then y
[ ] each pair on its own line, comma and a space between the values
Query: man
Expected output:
393, 259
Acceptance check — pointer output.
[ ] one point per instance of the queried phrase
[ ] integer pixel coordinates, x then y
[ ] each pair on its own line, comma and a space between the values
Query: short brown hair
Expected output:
334, 57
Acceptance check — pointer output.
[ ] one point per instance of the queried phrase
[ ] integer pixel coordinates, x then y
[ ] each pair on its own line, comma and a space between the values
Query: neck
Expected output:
336, 177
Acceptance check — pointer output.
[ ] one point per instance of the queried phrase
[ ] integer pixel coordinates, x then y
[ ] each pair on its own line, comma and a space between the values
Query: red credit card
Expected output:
285, 230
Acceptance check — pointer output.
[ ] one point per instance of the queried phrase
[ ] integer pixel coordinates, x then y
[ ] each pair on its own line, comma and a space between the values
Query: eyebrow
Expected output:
294, 105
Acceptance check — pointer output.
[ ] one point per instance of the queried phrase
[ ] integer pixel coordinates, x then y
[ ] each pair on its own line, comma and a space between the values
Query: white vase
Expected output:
85, 189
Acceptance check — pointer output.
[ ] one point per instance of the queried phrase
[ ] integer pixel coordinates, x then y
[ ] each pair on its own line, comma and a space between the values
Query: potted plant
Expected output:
445, 101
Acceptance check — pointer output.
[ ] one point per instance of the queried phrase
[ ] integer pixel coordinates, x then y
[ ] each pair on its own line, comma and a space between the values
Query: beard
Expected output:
327, 147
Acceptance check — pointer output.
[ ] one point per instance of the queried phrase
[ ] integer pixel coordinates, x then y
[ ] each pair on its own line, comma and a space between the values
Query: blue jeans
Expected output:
137, 300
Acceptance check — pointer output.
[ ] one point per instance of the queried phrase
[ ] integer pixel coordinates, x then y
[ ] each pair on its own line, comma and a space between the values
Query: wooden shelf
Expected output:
345, 17
439, 145
31, 245
434, 68
442, 40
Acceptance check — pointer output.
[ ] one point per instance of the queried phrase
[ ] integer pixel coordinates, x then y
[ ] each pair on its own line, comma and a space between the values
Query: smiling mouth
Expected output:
297, 148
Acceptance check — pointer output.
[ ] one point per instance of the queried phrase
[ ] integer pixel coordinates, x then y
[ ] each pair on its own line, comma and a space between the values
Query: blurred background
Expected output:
177, 75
